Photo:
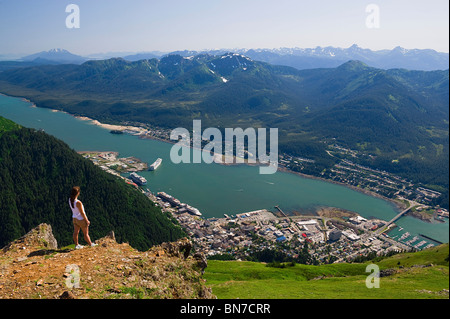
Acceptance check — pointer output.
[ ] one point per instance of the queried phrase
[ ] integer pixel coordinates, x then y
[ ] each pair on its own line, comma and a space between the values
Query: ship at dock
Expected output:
138, 179
155, 165
170, 199
191, 210
182, 207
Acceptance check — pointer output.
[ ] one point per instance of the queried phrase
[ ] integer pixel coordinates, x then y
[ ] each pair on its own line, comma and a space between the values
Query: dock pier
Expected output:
279, 209
432, 239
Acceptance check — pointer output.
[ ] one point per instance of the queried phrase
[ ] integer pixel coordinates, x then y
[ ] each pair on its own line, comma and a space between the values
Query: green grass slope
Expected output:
7, 125
421, 275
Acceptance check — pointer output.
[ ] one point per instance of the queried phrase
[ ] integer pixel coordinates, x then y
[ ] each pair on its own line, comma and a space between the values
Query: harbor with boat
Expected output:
417, 242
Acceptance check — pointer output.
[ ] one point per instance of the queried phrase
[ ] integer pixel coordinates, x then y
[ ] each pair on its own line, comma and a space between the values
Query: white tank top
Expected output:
75, 211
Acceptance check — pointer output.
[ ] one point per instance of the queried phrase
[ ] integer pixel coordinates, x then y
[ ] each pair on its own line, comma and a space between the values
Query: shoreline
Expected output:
399, 206
110, 127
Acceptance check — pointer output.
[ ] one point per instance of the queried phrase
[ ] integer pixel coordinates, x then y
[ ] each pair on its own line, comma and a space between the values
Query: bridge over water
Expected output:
395, 219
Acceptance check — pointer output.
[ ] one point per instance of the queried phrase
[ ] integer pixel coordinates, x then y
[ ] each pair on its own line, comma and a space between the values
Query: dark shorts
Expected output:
80, 223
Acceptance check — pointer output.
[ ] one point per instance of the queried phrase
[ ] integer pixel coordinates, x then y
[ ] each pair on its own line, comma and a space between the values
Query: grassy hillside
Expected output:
420, 275
7, 125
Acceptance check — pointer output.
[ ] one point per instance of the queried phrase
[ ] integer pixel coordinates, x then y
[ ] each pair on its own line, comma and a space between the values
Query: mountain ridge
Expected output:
299, 58
327, 57
398, 116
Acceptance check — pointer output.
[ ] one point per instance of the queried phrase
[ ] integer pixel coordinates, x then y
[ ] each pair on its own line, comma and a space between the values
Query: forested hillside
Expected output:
37, 172
398, 117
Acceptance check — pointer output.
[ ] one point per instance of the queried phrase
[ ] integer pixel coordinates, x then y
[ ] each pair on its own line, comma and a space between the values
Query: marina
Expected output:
417, 246
404, 236
428, 237
410, 242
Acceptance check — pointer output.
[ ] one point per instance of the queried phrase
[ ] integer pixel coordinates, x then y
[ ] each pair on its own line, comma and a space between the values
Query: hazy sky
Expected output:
167, 25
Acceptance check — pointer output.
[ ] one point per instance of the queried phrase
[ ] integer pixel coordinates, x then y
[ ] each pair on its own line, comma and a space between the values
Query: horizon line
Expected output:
164, 52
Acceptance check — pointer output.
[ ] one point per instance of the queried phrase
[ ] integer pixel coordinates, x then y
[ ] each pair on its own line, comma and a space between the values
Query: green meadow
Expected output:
420, 275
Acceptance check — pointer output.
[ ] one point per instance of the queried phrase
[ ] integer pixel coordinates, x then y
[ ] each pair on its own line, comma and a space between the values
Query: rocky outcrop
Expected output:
41, 236
34, 267
180, 248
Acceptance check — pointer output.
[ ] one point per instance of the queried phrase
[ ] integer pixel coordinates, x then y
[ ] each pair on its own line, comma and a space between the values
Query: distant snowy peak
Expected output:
400, 49
229, 62
325, 57
320, 50
56, 55
57, 50
299, 58
235, 55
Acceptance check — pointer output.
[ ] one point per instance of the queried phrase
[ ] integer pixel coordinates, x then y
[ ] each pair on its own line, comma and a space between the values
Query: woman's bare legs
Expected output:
76, 231
85, 231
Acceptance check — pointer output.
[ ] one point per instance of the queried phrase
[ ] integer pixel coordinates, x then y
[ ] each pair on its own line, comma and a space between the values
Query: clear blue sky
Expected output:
167, 25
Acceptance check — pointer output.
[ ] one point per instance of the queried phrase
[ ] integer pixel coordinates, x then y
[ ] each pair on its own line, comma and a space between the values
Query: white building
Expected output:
350, 235
311, 222
357, 220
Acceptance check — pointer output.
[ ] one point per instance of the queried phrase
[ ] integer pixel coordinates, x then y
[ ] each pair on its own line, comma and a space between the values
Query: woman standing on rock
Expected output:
79, 218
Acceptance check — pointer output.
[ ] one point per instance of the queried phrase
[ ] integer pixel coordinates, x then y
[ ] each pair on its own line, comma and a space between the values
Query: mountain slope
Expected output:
37, 172
398, 116
7, 125
331, 57
420, 275
55, 56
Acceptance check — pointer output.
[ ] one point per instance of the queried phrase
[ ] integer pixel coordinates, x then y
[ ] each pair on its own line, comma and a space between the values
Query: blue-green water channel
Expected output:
214, 189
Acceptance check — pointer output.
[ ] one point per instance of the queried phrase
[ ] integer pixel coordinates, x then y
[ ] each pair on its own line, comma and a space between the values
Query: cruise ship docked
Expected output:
192, 210
155, 165
138, 179
176, 203
168, 198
